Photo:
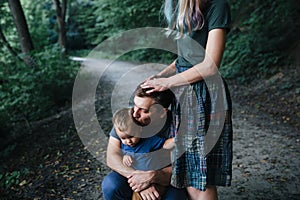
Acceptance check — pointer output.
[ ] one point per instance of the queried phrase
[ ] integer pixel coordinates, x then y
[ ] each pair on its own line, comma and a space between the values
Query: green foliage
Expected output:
258, 45
8, 28
32, 93
115, 16
89, 22
39, 19
97, 20
260, 40
9, 179
82, 30
149, 55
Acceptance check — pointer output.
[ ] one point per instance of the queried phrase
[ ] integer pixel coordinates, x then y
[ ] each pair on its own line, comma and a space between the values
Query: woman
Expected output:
206, 22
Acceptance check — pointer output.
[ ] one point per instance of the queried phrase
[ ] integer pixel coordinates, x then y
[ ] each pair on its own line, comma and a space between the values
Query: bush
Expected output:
259, 42
32, 93
12, 179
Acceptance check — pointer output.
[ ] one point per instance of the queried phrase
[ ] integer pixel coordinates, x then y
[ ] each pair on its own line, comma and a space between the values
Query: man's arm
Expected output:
114, 157
163, 176
139, 180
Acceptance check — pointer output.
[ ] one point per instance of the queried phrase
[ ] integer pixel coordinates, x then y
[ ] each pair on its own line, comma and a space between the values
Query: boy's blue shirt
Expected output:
145, 145
143, 159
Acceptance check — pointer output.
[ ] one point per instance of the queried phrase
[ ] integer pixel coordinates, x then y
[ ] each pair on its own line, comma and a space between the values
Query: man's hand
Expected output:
140, 180
151, 193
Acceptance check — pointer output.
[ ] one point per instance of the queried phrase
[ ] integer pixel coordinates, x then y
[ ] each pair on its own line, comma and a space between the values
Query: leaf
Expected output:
22, 183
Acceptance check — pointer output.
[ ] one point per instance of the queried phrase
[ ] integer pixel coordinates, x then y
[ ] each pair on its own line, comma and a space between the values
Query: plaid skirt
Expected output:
203, 141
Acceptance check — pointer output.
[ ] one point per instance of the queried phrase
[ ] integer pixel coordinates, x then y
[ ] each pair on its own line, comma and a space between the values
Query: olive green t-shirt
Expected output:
216, 15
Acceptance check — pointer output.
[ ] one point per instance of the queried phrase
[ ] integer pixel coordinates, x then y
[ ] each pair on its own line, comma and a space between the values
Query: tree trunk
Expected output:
60, 17
22, 29
21, 25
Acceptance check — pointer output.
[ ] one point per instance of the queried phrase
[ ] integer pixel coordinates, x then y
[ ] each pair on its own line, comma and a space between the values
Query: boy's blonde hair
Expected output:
122, 119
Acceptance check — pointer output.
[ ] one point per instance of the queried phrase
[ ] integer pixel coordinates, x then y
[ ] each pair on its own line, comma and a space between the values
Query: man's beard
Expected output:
140, 123
137, 122
151, 129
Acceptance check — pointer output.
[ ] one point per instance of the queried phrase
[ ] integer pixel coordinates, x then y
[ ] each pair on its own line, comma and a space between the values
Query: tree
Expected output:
21, 25
61, 8
22, 29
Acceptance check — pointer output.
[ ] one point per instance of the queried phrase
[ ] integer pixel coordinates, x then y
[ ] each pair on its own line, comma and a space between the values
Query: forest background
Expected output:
37, 39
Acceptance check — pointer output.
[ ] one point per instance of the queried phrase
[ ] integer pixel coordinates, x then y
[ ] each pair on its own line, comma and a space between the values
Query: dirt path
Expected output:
266, 160
53, 163
266, 157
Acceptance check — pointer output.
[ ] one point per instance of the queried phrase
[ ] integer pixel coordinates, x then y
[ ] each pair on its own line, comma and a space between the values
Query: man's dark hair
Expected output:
164, 98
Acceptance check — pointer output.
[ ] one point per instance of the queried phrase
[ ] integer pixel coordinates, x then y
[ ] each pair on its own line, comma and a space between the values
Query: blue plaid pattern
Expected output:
195, 112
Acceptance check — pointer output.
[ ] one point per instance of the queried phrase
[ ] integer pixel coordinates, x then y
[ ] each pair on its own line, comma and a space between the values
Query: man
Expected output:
149, 111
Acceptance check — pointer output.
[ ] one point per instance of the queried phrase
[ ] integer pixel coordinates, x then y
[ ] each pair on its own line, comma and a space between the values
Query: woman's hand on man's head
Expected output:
156, 85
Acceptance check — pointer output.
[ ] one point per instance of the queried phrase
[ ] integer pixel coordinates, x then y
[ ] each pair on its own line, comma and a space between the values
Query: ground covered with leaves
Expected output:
276, 97
50, 161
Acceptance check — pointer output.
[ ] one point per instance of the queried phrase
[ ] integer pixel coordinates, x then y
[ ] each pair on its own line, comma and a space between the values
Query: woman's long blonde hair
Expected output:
184, 16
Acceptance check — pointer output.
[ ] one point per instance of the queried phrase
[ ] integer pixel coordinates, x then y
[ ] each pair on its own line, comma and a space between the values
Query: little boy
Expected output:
134, 147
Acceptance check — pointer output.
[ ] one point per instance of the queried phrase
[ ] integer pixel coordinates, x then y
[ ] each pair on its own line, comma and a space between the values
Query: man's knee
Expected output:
115, 186
108, 185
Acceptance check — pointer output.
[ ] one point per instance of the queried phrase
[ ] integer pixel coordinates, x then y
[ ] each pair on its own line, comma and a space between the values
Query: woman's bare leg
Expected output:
210, 193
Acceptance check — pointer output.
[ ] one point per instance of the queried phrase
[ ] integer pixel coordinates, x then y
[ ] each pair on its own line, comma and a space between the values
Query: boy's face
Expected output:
126, 138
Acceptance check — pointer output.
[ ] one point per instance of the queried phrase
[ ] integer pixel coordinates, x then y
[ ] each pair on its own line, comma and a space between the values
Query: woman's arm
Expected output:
213, 57
168, 71
211, 63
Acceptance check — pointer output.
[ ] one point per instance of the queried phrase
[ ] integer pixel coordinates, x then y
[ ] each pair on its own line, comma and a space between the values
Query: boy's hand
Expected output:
127, 160
169, 144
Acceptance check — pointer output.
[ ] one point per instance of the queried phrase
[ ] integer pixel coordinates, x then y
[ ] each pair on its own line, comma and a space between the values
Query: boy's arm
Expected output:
127, 160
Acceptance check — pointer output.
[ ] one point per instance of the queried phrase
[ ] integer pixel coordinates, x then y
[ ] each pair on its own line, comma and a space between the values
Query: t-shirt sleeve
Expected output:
113, 133
157, 142
219, 15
